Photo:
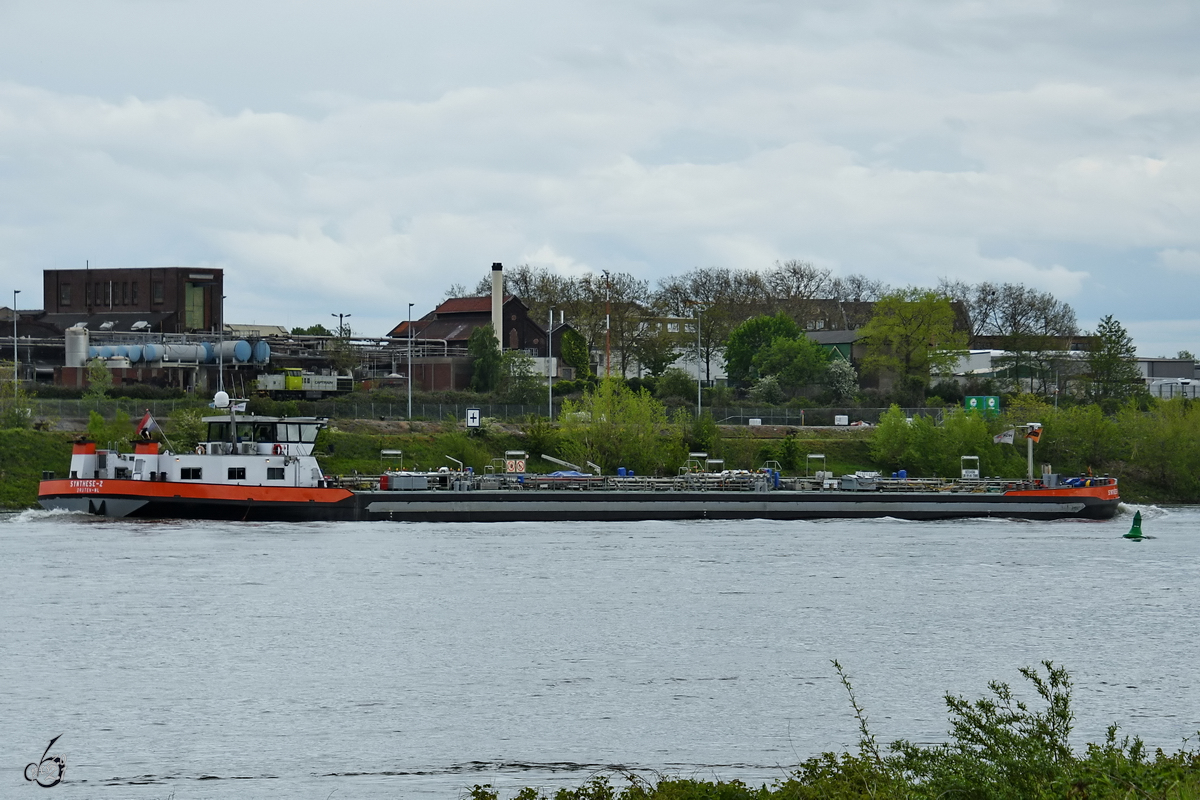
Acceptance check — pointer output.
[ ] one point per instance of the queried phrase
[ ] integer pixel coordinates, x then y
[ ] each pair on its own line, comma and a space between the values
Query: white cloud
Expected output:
1185, 261
1161, 338
366, 155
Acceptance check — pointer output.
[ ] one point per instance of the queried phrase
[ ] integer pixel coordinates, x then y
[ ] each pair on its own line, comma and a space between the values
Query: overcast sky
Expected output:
356, 156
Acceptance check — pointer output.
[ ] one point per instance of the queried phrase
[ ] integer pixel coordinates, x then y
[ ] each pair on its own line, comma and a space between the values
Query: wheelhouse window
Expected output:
237, 473
189, 473
274, 473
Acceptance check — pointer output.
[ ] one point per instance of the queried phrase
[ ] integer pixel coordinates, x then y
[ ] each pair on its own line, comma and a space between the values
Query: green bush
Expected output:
675, 383
1000, 749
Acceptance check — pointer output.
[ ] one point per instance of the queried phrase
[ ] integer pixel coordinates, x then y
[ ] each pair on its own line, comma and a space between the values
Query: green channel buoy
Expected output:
1135, 532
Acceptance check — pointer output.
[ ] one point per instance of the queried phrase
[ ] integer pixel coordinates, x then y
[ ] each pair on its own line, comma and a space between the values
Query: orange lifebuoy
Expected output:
278, 449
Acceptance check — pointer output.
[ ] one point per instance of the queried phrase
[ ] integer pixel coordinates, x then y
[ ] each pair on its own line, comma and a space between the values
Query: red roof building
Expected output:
440, 362
454, 320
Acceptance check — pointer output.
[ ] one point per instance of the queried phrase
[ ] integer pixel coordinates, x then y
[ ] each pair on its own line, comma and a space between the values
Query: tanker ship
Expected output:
263, 468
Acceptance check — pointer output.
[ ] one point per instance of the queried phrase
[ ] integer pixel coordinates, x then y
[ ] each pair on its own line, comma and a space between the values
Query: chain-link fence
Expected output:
345, 409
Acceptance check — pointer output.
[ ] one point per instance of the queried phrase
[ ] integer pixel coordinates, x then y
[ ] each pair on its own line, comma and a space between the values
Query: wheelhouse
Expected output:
264, 430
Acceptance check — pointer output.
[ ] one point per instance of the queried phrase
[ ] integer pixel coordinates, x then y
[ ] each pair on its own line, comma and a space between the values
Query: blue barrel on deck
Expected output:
620, 472
903, 474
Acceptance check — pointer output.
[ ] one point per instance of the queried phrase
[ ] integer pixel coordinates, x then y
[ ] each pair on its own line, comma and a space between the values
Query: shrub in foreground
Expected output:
999, 749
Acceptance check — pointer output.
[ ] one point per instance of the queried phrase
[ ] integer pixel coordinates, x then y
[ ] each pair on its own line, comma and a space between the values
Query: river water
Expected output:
379, 660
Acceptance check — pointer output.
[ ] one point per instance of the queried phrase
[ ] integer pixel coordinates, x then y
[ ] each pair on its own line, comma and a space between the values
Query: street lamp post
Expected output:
549, 367
698, 372
341, 328
221, 346
410, 375
16, 359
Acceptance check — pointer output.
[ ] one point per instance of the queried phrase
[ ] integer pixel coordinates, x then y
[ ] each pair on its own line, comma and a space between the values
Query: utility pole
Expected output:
607, 324
698, 373
410, 375
16, 377
549, 369
221, 346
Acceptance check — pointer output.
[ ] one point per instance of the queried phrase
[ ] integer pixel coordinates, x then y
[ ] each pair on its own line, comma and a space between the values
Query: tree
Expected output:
110, 434
1033, 325
575, 353
615, 427
857, 289
342, 356
767, 390
842, 379
795, 363
720, 298
676, 383
518, 382
485, 370
15, 408
100, 380
929, 449
1113, 374
911, 335
656, 348
312, 330
751, 337
589, 302
796, 287
187, 428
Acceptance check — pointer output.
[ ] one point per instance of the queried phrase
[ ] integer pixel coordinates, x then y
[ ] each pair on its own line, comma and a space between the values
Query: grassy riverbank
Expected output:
1154, 453
24, 455
999, 748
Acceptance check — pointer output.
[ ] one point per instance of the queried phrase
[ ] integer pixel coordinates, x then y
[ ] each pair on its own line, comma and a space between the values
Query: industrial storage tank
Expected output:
238, 351
106, 352
134, 351
191, 353
77, 347
262, 352
152, 352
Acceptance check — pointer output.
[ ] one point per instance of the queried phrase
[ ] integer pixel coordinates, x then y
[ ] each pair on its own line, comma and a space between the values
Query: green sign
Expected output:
987, 403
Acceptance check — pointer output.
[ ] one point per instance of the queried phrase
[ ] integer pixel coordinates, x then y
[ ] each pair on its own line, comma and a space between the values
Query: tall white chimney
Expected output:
498, 302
